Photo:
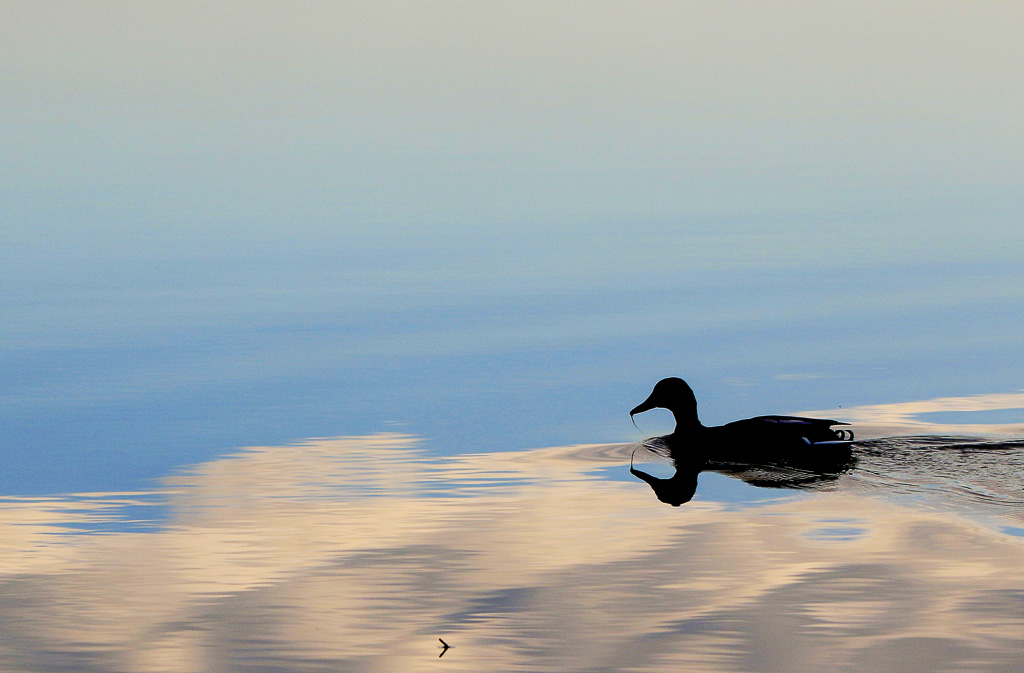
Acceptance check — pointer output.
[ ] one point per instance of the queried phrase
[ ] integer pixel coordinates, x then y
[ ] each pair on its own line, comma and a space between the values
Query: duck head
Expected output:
676, 396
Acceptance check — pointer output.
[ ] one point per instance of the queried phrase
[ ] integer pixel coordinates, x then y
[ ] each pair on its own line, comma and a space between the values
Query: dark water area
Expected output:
363, 553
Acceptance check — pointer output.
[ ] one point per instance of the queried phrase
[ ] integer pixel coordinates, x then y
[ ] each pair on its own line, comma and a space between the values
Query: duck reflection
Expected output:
772, 451
775, 469
677, 489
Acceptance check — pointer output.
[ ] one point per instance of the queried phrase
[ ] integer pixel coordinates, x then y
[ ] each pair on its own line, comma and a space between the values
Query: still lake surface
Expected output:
320, 324
361, 553
391, 392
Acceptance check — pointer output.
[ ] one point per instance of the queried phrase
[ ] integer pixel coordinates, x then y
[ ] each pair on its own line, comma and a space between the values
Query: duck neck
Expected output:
686, 421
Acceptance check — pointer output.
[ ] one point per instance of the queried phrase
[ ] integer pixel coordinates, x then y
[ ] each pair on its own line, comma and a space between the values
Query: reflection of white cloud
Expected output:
357, 553
902, 418
37, 531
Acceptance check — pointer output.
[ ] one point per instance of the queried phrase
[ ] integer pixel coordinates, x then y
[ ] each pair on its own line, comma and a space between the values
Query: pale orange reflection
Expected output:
903, 418
358, 553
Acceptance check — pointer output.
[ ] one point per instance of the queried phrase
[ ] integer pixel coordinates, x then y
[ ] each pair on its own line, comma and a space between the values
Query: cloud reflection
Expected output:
358, 553
904, 418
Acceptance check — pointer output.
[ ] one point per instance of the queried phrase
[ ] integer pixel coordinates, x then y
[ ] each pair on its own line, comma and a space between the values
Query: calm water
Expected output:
136, 536
118, 371
447, 234
360, 553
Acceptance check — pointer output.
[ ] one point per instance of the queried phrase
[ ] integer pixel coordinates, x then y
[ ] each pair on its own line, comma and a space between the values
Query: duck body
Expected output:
770, 451
779, 429
762, 436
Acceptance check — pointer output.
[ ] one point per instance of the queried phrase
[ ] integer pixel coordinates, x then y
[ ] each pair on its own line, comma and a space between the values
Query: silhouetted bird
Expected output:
773, 451
772, 433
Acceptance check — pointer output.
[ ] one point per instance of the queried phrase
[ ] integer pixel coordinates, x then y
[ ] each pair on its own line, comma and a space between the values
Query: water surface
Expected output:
451, 233
359, 553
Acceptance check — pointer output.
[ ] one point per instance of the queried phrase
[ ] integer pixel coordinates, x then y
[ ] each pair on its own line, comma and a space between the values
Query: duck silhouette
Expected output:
755, 434
770, 451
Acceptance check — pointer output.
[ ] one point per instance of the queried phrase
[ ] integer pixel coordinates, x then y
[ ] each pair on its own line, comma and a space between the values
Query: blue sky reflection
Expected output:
494, 225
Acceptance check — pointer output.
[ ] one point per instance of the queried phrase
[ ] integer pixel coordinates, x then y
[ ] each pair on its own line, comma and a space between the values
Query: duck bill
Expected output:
650, 479
639, 410
646, 405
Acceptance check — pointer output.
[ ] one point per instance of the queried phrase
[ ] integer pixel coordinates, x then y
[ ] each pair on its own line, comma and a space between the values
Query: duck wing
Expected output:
813, 430
794, 421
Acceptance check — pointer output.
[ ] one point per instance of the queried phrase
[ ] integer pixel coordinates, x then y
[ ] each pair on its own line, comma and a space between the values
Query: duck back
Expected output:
783, 429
